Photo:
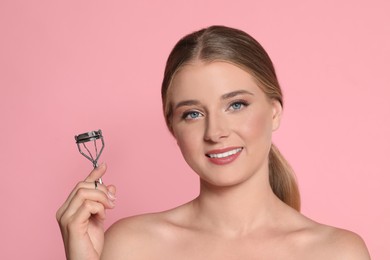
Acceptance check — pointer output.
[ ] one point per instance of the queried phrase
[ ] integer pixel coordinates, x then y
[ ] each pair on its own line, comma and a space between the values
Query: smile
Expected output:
225, 154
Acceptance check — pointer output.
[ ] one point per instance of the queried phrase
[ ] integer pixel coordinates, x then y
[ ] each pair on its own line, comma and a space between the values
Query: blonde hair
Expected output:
220, 43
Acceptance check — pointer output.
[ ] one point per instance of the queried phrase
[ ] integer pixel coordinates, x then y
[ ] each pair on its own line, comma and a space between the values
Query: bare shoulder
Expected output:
308, 239
325, 242
349, 245
127, 237
133, 237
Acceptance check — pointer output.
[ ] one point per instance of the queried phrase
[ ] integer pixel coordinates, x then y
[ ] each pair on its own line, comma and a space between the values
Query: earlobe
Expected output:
277, 112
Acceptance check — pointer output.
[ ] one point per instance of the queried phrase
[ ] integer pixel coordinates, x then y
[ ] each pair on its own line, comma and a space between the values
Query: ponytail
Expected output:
282, 179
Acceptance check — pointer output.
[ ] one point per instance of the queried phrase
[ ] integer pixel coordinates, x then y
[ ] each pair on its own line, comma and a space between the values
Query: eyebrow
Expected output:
235, 93
193, 102
184, 103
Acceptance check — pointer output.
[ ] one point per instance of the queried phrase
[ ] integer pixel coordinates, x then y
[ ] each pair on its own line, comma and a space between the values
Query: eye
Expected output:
238, 105
191, 115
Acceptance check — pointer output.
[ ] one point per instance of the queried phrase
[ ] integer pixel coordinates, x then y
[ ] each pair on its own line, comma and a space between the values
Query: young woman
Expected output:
222, 102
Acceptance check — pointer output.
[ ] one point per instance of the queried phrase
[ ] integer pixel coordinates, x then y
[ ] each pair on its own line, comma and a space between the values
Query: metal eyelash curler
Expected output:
88, 137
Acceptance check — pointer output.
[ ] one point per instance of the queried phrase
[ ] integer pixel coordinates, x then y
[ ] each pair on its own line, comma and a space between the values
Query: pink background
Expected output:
68, 67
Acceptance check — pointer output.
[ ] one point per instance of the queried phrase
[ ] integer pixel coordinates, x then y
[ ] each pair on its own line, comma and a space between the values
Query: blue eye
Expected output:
238, 105
191, 115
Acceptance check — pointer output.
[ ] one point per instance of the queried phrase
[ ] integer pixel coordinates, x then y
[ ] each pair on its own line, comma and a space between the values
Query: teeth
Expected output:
225, 154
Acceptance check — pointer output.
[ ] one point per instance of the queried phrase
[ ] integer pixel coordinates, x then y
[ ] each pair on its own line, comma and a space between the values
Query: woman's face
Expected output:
222, 122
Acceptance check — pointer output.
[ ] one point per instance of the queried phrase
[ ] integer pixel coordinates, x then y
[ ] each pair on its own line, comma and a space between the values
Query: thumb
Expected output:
97, 173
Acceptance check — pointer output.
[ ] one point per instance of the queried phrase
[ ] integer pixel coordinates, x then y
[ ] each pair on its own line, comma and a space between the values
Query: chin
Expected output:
223, 181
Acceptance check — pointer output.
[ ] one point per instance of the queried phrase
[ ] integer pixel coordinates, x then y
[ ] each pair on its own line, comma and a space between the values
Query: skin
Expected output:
82, 215
236, 215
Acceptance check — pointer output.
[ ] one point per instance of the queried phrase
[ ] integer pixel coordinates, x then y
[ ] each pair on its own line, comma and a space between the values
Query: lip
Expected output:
224, 160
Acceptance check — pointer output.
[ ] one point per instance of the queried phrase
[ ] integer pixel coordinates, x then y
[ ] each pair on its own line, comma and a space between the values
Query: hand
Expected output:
82, 215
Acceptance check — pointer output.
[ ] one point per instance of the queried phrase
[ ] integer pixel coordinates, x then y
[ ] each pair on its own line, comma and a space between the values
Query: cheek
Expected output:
187, 141
257, 126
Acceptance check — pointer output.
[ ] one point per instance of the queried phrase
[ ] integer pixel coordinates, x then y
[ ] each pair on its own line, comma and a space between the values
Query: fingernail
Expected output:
111, 196
112, 203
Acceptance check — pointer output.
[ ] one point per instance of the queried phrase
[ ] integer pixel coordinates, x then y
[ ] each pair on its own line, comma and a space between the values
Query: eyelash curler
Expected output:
83, 139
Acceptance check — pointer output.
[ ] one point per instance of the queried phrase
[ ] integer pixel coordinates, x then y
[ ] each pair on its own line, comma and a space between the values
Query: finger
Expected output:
111, 192
93, 176
80, 185
86, 191
97, 173
83, 195
84, 213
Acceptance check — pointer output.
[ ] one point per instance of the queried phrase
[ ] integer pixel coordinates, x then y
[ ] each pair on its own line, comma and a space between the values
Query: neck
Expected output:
237, 209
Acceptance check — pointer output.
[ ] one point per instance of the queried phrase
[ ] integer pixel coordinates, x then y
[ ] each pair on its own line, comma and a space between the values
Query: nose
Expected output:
216, 129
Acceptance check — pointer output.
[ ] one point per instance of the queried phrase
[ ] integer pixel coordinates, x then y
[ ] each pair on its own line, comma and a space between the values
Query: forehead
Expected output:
199, 80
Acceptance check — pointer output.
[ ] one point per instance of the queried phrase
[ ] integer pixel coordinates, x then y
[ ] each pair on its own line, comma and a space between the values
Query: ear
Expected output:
277, 112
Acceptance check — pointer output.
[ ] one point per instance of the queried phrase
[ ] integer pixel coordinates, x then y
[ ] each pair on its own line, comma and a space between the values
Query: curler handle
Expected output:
100, 181
95, 165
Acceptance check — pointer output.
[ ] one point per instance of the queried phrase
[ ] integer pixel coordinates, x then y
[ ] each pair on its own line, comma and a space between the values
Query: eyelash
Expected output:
187, 115
242, 104
192, 114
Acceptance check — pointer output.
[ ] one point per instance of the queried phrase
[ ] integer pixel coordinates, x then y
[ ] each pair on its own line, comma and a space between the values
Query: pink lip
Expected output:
225, 160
